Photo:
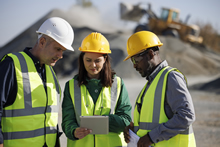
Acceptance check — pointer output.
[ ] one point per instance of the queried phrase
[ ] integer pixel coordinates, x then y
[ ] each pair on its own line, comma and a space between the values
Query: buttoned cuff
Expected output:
155, 136
150, 138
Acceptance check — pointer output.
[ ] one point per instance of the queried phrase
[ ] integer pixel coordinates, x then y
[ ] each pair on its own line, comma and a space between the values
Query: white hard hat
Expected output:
59, 30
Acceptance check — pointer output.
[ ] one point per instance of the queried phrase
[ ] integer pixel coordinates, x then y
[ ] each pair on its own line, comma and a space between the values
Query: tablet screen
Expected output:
98, 124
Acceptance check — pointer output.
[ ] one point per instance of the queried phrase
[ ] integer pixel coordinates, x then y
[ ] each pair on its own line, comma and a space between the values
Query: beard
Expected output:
149, 69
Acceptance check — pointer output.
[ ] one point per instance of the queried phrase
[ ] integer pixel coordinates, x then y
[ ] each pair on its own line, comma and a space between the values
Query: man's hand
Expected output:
126, 132
1, 145
81, 132
144, 141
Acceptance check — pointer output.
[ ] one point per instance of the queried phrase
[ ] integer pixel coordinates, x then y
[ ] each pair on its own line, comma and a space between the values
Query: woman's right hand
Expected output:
81, 132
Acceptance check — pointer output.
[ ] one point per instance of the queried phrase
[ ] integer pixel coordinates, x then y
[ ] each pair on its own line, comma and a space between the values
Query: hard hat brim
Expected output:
127, 58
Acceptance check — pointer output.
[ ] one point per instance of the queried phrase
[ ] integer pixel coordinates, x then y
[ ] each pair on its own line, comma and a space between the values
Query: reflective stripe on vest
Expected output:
24, 93
77, 100
157, 102
79, 95
145, 122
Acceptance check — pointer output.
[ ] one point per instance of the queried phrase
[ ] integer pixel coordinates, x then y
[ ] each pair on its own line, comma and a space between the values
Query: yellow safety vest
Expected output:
33, 117
152, 113
105, 105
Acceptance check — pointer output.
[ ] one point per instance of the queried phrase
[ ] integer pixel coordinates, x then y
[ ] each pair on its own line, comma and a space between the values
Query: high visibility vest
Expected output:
105, 105
152, 113
33, 117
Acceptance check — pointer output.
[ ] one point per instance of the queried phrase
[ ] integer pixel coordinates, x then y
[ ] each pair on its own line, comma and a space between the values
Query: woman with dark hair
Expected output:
95, 90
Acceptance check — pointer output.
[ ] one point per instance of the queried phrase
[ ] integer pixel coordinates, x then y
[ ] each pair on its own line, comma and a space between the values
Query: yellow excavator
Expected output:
167, 24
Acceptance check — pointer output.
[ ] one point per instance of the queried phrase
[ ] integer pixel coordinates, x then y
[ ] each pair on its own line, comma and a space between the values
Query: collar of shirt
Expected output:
35, 60
93, 82
157, 70
40, 69
94, 87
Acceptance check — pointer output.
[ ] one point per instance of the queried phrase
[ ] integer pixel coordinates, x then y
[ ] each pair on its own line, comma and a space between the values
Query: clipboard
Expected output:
98, 124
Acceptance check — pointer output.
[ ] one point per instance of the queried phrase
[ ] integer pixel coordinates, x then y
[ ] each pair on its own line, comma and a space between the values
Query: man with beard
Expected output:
164, 110
30, 91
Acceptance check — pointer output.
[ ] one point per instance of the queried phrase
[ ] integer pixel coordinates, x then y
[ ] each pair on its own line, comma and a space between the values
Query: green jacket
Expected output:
117, 121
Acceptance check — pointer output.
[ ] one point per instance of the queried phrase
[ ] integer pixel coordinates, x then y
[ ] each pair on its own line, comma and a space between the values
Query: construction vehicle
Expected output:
168, 24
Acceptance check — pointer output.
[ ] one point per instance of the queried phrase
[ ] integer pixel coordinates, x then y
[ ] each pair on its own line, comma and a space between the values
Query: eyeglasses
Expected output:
137, 58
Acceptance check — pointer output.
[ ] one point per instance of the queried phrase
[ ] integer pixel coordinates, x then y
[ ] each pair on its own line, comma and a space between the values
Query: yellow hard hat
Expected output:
95, 42
140, 41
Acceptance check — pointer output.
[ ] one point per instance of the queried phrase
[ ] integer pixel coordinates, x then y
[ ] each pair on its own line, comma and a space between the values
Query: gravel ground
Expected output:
207, 108
207, 124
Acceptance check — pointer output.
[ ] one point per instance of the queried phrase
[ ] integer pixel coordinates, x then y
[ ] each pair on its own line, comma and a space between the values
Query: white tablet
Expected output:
98, 124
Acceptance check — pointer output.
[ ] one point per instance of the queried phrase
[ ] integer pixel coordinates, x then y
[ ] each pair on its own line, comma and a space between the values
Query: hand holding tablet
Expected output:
98, 124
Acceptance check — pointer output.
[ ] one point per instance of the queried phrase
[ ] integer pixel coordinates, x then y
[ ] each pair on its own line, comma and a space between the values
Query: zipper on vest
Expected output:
96, 101
139, 105
45, 133
94, 140
42, 74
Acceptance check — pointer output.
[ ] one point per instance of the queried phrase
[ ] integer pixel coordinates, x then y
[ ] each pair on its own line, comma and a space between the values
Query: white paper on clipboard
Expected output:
133, 140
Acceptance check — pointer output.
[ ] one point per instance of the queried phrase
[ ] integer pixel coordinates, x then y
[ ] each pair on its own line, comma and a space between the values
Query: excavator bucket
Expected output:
131, 12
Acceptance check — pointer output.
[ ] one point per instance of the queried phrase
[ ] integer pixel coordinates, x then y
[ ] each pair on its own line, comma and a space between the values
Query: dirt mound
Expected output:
188, 59
212, 86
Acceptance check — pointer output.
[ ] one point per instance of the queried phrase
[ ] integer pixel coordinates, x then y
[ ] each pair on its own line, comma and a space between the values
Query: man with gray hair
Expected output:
30, 91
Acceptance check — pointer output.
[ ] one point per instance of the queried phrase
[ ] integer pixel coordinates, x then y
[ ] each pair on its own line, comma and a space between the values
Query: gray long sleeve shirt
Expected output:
178, 106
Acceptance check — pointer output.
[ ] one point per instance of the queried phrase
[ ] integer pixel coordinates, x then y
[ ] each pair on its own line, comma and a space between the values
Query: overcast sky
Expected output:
18, 15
